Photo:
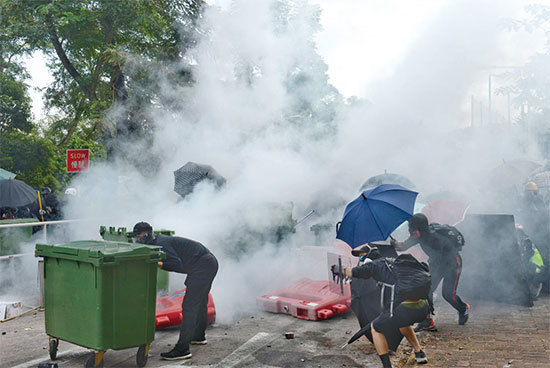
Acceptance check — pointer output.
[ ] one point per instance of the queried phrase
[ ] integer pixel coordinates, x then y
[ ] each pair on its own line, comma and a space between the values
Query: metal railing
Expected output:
44, 226
40, 273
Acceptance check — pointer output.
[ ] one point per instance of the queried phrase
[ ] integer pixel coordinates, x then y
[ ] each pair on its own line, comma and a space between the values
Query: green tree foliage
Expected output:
15, 105
101, 55
30, 156
531, 83
89, 44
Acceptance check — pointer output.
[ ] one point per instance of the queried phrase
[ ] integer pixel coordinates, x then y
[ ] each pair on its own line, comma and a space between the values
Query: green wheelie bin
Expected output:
100, 295
121, 235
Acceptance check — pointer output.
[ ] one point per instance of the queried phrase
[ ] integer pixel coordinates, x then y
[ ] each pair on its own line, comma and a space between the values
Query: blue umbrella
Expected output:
375, 214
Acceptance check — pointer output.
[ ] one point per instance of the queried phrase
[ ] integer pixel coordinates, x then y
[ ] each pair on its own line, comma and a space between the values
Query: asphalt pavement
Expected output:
497, 335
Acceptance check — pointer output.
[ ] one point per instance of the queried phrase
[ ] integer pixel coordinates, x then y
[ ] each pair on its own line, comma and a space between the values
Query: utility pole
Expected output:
489, 115
509, 119
472, 112
480, 113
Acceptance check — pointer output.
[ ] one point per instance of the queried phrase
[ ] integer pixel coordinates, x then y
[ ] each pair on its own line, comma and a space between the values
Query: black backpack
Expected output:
450, 232
412, 278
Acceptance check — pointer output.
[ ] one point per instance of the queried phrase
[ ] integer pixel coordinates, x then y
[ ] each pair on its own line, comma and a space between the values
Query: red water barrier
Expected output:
307, 299
169, 309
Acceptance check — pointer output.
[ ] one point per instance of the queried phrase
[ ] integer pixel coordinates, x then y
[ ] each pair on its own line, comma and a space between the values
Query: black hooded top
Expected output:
181, 253
439, 248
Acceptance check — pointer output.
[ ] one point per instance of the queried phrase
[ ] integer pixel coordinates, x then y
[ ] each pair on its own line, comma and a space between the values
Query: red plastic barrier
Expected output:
307, 299
169, 309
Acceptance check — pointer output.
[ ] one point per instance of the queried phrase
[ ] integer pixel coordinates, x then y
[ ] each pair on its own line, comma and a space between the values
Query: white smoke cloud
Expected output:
262, 114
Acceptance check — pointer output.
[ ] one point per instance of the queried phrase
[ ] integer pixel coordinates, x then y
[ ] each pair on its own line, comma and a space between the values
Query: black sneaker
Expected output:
426, 325
463, 317
420, 357
176, 354
199, 342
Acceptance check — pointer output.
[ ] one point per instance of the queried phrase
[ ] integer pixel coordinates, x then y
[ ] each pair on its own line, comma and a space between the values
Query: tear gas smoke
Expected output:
19, 275
262, 113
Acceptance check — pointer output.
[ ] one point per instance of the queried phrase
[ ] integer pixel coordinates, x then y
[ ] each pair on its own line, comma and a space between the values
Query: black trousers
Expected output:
403, 316
450, 274
194, 308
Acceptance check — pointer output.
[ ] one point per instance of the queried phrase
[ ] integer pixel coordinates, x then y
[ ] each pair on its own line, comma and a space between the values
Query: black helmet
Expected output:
419, 222
140, 228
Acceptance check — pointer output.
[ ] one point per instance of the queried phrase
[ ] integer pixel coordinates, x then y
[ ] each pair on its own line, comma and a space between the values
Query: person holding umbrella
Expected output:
445, 264
373, 216
194, 259
397, 316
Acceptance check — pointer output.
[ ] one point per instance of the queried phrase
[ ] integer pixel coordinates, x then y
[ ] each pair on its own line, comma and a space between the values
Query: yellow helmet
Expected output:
531, 186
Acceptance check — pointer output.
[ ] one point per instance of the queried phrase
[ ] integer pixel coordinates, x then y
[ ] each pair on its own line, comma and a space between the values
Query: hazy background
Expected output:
299, 102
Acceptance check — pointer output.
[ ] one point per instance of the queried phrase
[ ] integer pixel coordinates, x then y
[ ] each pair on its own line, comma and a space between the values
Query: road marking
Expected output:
66, 354
239, 355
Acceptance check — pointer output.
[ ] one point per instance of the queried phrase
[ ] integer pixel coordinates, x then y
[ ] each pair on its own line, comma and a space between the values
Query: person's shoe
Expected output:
420, 357
176, 354
426, 325
199, 342
463, 317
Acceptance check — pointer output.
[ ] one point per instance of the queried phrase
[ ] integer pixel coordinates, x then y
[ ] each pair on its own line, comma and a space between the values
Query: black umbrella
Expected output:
16, 193
393, 337
190, 174
387, 178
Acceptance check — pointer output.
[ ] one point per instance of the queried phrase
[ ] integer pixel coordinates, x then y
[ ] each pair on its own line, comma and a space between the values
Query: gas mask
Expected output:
363, 259
371, 254
148, 238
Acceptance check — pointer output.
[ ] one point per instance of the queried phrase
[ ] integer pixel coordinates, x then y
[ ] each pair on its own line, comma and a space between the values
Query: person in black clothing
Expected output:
534, 214
365, 293
47, 209
405, 312
7, 213
194, 259
445, 264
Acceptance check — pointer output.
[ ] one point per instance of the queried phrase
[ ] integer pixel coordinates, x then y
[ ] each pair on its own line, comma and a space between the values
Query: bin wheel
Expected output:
142, 354
53, 348
91, 361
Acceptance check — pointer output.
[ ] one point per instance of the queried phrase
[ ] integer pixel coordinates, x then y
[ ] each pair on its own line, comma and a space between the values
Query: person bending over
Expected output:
194, 259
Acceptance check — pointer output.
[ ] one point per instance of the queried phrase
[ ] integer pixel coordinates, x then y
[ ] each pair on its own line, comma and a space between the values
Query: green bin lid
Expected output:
99, 252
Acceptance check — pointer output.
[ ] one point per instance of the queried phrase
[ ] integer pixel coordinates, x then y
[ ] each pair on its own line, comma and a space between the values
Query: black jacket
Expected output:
362, 287
181, 253
439, 248
379, 271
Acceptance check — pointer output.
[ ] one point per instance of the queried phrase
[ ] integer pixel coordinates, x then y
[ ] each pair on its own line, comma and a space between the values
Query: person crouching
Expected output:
399, 315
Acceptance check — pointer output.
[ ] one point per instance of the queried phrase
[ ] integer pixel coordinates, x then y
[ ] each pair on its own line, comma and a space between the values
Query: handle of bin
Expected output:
157, 257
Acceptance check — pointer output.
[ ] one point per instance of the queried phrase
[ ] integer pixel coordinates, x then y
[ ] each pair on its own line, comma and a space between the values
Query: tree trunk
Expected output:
127, 127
